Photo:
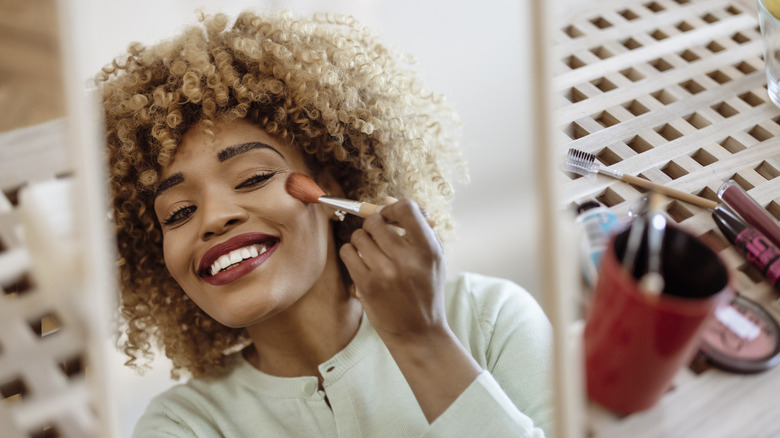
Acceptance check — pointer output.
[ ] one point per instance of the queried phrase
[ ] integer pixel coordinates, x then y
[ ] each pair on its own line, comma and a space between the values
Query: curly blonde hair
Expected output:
327, 85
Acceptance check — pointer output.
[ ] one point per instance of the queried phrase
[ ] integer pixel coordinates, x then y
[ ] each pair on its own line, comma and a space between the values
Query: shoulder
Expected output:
484, 312
487, 297
186, 409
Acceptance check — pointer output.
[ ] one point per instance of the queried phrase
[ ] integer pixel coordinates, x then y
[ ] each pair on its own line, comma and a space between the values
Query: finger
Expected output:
390, 200
372, 255
352, 260
427, 217
407, 215
387, 237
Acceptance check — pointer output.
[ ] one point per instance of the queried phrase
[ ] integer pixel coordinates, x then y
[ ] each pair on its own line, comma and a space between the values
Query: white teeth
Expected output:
222, 262
236, 256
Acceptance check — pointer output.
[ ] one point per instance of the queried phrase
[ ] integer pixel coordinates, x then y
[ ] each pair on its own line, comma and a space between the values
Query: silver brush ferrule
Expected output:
612, 172
347, 205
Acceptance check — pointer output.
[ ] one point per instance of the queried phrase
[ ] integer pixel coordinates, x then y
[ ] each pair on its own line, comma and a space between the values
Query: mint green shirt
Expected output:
497, 321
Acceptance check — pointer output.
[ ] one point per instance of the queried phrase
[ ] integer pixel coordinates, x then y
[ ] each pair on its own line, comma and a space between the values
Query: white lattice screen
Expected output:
43, 339
56, 267
678, 99
673, 91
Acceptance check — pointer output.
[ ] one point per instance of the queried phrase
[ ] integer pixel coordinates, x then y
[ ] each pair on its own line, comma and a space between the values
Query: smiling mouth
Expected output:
237, 257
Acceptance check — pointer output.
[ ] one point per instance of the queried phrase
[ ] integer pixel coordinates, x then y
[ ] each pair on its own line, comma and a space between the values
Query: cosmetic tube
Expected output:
751, 243
754, 214
597, 223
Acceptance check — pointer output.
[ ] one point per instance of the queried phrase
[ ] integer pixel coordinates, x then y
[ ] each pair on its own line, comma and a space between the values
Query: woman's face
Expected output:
238, 244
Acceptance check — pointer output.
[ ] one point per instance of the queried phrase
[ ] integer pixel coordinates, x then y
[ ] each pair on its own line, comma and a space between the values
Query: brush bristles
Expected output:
579, 162
302, 187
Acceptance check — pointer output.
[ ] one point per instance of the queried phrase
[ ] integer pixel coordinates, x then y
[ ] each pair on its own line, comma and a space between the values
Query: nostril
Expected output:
217, 220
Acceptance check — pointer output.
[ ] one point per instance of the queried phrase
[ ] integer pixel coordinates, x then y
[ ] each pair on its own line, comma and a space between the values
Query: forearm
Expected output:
437, 368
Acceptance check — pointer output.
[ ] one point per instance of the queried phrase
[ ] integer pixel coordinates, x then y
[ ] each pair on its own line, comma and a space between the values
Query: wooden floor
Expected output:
30, 65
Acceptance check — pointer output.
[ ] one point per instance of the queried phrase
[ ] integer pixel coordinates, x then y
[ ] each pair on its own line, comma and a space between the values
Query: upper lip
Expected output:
237, 242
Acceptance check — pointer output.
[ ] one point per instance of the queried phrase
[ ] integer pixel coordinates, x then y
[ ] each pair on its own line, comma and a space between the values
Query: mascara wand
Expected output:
584, 163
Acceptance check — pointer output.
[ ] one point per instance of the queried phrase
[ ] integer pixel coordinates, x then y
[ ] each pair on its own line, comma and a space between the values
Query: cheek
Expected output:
310, 225
174, 261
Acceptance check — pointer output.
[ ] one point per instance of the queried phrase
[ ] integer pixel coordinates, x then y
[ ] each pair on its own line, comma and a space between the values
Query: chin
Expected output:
241, 318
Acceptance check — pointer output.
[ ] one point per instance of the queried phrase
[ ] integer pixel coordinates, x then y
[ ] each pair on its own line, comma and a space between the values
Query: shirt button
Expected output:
310, 388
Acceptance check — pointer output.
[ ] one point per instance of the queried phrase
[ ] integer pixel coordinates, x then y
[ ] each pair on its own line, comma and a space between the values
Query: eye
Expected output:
179, 215
255, 180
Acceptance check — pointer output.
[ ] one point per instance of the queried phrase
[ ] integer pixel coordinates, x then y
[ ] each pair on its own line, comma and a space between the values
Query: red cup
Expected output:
635, 342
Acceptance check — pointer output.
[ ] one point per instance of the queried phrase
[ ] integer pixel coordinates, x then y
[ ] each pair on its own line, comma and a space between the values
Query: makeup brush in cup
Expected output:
649, 225
653, 281
584, 163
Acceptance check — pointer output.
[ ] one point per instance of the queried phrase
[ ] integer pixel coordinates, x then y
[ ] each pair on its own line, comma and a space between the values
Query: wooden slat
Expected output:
33, 153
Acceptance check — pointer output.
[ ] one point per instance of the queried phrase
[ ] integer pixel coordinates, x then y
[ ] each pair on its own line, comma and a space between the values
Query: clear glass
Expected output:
770, 34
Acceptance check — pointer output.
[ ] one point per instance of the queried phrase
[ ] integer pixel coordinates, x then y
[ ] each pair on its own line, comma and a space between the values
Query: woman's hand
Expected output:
399, 279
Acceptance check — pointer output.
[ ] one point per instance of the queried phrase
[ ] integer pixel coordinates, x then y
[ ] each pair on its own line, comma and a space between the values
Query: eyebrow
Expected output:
233, 151
167, 183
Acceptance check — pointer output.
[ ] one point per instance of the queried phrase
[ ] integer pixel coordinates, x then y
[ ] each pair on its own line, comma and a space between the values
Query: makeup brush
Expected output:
584, 163
302, 187
653, 281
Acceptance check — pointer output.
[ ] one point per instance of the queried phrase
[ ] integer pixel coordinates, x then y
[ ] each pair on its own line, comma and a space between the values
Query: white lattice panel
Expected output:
43, 343
674, 91
57, 276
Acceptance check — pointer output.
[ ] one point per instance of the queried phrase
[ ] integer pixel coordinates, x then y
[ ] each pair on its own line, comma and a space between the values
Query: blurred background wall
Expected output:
475, 53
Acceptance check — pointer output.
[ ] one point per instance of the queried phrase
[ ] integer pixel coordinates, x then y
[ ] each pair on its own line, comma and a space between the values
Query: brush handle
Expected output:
366, 209
358, 208
672, 193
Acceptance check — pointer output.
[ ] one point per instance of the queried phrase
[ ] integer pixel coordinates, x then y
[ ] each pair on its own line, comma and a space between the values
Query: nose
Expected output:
219, 214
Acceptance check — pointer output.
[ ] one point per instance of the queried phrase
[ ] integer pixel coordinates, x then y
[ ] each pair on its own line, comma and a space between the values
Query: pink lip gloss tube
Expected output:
751, 243
755, 215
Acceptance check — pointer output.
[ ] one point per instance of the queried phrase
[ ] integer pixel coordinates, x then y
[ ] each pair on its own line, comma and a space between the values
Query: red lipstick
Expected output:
217, 267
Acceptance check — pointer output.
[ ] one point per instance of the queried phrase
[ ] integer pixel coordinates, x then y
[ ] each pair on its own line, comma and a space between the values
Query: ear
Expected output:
328, 183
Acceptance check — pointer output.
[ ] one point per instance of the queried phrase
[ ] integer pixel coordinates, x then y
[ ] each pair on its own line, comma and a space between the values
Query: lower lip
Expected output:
244, 268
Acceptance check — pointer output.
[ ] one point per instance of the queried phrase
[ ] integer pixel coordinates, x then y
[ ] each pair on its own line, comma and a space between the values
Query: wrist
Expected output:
437, 367
433, 337
434, 348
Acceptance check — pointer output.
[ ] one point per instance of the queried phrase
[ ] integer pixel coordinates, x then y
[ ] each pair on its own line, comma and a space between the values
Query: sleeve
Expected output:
509, 335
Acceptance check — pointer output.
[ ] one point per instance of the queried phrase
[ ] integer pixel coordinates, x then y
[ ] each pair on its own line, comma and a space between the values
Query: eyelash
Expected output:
176, 216
182, 213
256, 180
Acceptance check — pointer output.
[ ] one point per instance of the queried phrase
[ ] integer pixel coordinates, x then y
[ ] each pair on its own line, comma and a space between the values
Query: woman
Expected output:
290, 320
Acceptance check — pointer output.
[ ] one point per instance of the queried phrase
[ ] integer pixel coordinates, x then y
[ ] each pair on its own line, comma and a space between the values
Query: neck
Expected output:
294, 342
